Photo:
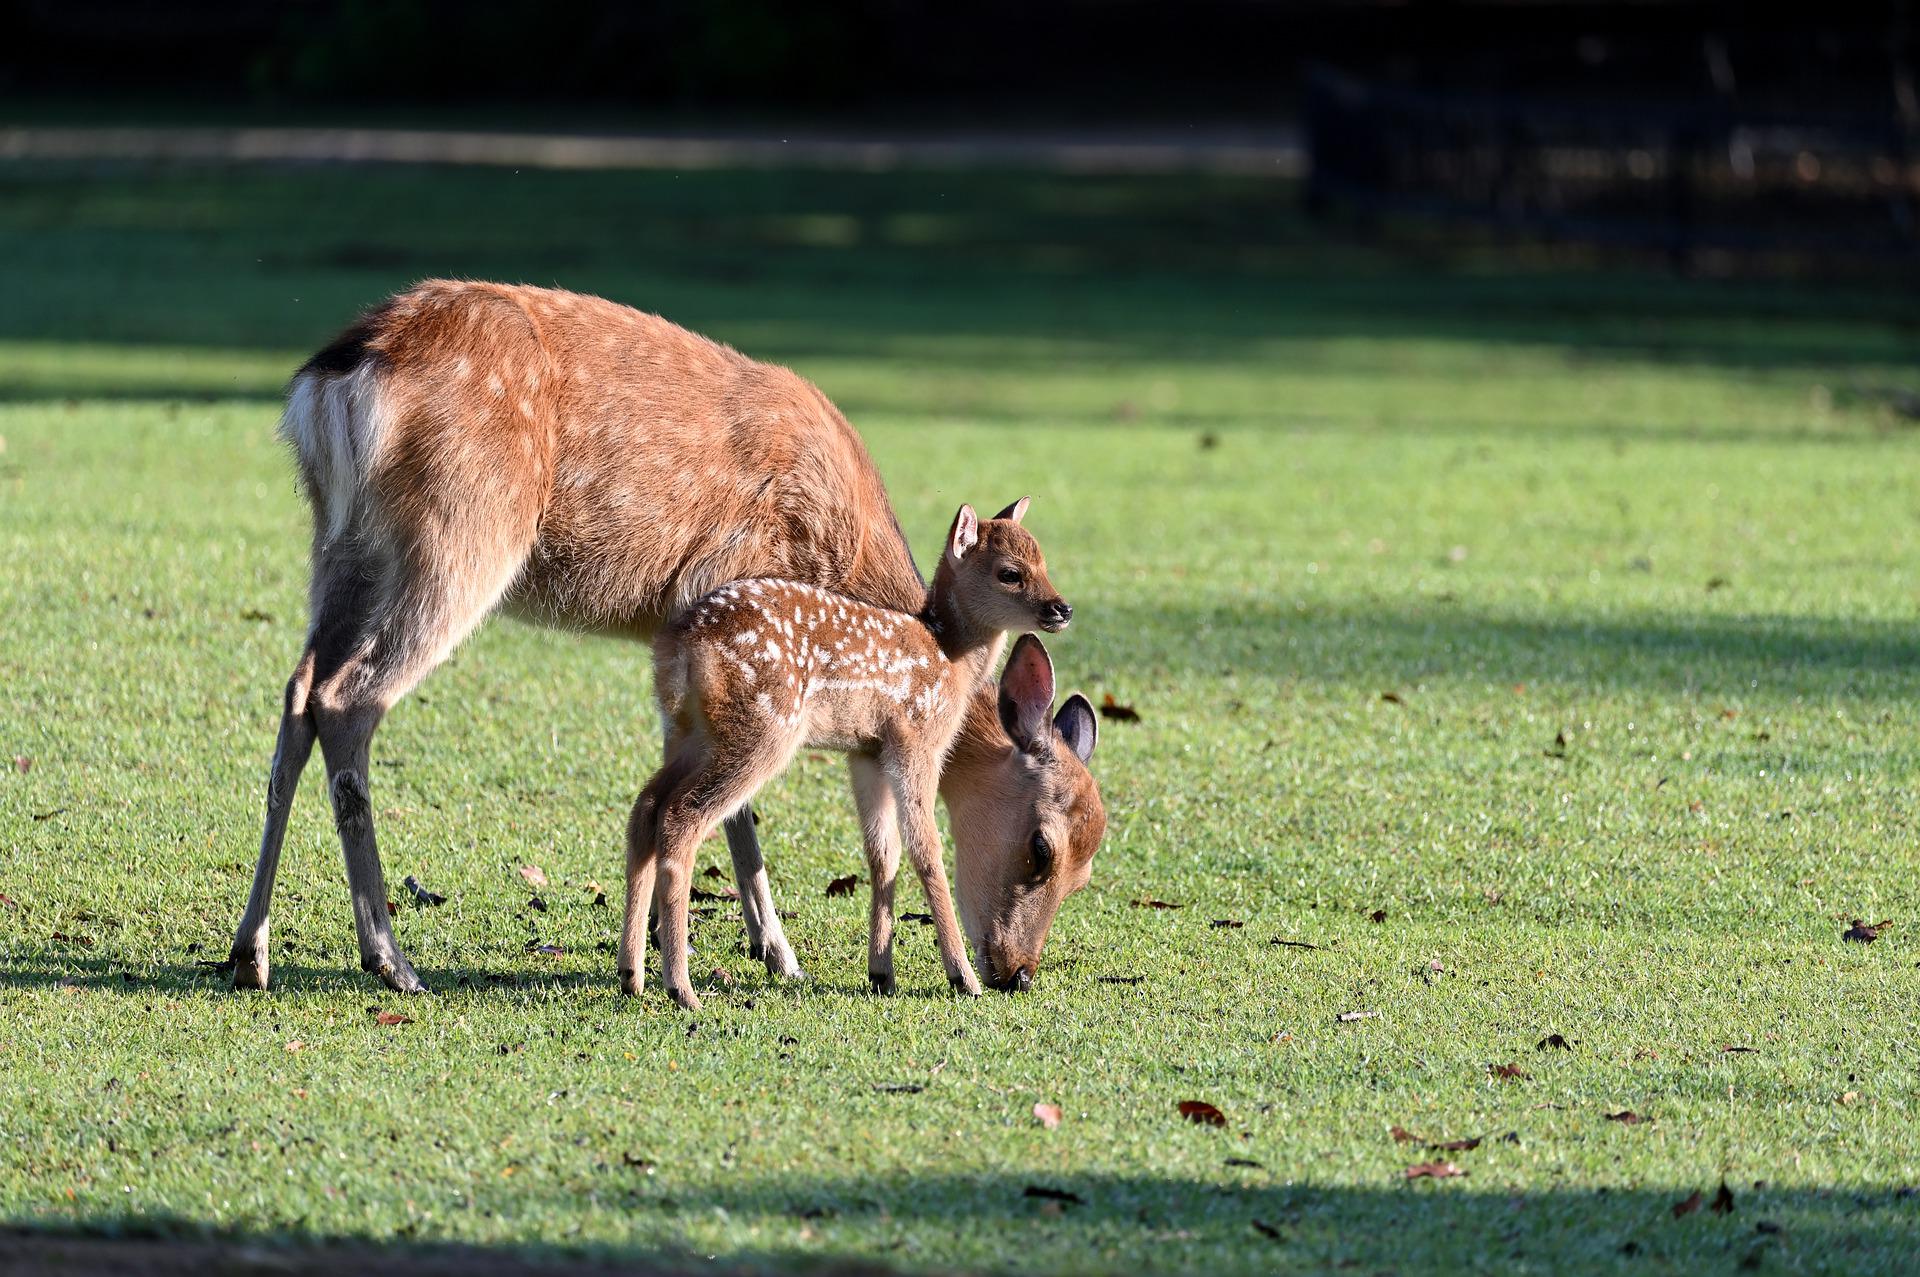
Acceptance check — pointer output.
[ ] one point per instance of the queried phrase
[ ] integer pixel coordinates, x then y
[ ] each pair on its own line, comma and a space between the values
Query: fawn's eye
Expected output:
1042, 855
1010, 576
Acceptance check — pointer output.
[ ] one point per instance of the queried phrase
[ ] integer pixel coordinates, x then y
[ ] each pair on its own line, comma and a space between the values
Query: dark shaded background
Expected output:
880, 62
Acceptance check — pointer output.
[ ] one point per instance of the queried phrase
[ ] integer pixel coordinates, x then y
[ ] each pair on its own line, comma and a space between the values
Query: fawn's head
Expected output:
993, 576
1026, 815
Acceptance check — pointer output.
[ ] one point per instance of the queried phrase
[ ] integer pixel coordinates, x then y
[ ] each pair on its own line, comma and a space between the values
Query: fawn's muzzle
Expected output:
1055, 615
1019, 982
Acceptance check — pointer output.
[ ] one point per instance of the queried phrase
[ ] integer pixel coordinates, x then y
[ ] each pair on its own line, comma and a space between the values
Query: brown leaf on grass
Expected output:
1553, 1042
1120, 979
536, 876
546, 950
1687, 1205
639, 1163
1292, 944
1268, 1231
85, 942
1433, 1170
1865, 932
1722, 1203
255, 614
8, 902
1627, 1117
1456, 1146
1046, 1194
536, 904
1348, 1017
1739, 1050
22, 764
1246, 1162
1392, 698
1401, 1135
843, 886
1226, 924
421, 896
1202, 1113
1148, 902
1048, 1115
1559, 747
1511, 1072
925, 919
295, 1046
726, 892
1378, 915
713, 871
388, 1018
1110, 708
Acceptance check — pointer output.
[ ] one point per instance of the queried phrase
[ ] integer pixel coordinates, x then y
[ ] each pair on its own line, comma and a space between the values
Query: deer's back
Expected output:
664, 464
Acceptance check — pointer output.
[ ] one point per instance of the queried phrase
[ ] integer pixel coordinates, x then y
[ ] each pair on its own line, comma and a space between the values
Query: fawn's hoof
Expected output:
396, 973
686, 999
882, 982
966, 984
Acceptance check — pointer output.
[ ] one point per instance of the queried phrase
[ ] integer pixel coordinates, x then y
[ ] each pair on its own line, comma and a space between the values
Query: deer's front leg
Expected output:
766, 938
880, 828
914, 784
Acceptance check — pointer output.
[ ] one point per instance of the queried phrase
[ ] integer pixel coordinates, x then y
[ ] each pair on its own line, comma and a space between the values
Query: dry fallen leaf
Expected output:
1378, 915
1292, 944
1048, 1115
843, 886
1687, 1205
1627, 1117
546, 950
1553, 1042
1401, 1135
22, 764
1044, 1193
1511, 1072
1722, 1203
1268, 1231
1348, 1017
1148, 902
1392, 698
1110, 708
424, 898
1739, 1050
1203, 1113
536, 876
1864, 932
388, 1018
1226, 924
1456, 1146
1433, 1170
7, 901
1850, 1097
295, 1045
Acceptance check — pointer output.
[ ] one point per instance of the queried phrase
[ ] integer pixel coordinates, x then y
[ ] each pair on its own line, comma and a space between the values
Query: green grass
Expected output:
1280, 475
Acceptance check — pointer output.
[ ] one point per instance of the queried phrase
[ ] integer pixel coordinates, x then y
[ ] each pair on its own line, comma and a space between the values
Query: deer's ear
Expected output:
1015, 510
1078, 725
1026, 693
964, 534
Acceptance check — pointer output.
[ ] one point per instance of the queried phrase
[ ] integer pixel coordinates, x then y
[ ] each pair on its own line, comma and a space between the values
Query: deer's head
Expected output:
1025, 813
994, 577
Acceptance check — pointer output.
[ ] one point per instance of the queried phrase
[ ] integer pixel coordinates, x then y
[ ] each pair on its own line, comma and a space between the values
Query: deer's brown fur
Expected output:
469, 447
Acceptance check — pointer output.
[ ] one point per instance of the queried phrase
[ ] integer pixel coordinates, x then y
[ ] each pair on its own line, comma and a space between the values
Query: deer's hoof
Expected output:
396, 973
966, 984
882, 982
630, 983
686, 999
249, 972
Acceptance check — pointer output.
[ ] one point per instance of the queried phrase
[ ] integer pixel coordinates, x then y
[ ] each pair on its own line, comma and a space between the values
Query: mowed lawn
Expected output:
1536, 645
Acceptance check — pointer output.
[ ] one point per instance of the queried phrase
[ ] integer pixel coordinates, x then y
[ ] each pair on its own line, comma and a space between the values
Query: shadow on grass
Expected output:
1250, 1220
990, 270
1705, 655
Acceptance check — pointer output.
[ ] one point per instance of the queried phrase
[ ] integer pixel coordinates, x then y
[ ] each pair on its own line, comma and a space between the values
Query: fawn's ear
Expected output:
1078, 726
964, 534
1026, 693
1015, 510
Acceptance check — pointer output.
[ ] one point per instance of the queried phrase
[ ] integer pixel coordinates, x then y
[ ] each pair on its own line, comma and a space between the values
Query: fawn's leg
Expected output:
643, 844
880, 827
766, 938
914, 781
290, 754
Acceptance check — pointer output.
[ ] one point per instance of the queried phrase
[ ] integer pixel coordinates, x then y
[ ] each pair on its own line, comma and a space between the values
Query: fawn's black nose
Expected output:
1055, 615
1022, 980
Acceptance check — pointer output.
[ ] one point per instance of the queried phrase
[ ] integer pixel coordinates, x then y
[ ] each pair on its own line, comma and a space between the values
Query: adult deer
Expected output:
471, 447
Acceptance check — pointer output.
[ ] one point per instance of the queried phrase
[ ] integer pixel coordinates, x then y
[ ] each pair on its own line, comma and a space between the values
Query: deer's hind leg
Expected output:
290, 754
725, 777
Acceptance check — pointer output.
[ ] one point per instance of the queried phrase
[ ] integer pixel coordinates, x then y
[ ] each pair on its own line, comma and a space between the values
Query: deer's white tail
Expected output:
337, 423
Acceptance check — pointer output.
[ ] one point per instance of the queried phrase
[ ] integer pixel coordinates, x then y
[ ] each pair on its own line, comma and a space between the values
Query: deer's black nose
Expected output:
1022, 980
1056, 614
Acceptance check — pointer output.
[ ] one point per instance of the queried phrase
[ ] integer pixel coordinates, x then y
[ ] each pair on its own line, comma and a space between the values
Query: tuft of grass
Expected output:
1566, 618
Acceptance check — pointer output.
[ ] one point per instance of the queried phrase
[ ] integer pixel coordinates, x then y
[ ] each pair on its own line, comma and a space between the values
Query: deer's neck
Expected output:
970, 647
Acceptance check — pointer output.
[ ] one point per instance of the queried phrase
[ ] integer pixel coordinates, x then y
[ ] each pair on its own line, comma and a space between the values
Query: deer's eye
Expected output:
1010, 576
1042, 855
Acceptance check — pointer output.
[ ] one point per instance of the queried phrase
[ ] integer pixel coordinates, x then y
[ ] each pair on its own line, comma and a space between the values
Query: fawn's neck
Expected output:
972, 648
